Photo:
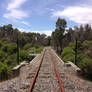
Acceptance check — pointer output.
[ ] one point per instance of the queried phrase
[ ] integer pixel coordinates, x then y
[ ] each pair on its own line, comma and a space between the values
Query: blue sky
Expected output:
41, 15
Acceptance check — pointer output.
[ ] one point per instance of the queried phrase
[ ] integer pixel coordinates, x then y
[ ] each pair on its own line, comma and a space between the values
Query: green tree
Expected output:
4, 71
2, 56
48, 41
58, 35
61, 24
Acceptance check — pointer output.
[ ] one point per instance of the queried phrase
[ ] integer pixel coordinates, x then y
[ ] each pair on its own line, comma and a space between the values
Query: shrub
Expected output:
12, 48
24, 55
27, 46
80, 57
35, 50
2, 55
4, 71
86, 66
69, 57
1, 44
66, 51
36, 46
86, 43
32, 50
11, 60
38, 50
68, 54
5, 48
72, 45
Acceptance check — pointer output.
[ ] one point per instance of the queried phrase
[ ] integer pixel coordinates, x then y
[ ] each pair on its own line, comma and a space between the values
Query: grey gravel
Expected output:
71, 81
46, 81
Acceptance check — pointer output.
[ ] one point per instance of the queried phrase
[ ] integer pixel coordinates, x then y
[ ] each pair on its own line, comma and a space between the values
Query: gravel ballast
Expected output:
46, 80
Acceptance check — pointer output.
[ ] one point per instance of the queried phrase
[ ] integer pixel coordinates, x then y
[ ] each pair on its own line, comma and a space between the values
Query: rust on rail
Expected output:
57, 75
36, 74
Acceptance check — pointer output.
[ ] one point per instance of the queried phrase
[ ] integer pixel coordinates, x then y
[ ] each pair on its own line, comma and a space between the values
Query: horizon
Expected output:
40, 16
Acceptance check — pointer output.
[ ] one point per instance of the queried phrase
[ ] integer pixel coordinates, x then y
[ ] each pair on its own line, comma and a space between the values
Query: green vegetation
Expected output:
4, 71
84, 57
57, 35
75, 45
68, 54
28, 43
35, 50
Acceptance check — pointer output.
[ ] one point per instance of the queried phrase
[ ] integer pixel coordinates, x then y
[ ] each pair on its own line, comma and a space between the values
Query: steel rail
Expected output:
57, 74
36, 74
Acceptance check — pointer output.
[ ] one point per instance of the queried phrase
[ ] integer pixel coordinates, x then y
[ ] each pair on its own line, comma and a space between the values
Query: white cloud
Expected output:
78, 14
47, 32
15, 4
25, 23
15, 14
13, 10
50, 9
23, 30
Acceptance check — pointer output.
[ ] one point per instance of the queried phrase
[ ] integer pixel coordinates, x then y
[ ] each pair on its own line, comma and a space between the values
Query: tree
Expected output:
48, 41
61, 24
58, 35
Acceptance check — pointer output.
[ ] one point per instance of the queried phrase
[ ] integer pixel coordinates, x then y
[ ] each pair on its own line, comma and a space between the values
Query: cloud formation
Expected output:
15, 14
47, 32
25, 23
13, 10
15, 4
78, 14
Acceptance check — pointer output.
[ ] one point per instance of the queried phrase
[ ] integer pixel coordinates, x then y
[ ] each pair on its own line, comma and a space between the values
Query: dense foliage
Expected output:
74, 44
84, 56
58, 35
10, 40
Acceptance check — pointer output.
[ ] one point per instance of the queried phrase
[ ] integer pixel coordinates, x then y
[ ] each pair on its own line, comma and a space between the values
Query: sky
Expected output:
41, 15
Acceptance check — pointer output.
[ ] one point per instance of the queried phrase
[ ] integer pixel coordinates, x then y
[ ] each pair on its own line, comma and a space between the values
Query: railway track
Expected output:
46, 78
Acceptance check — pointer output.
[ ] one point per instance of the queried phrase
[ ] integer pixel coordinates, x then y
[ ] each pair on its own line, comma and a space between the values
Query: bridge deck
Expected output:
47, 80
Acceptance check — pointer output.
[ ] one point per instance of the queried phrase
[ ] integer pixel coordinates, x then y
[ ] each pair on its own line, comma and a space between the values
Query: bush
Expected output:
66, 51
11, 60
69, 57
32, 50
84, 60
1, 44
36, 46
4, 71
86, 66
68, 54
86, 43
24, 55
2, 55
72, 45
5, 48
38, 50
27, 46
80, 57
35, 50
10, 48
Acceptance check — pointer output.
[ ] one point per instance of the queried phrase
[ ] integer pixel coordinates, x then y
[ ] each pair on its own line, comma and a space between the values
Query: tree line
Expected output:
15, 47
74, 44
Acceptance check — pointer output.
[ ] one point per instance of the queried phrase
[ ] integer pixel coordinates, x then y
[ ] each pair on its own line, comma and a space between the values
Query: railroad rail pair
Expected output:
37, 72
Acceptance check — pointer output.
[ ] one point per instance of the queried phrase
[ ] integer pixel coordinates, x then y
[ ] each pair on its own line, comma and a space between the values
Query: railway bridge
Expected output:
47, 73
